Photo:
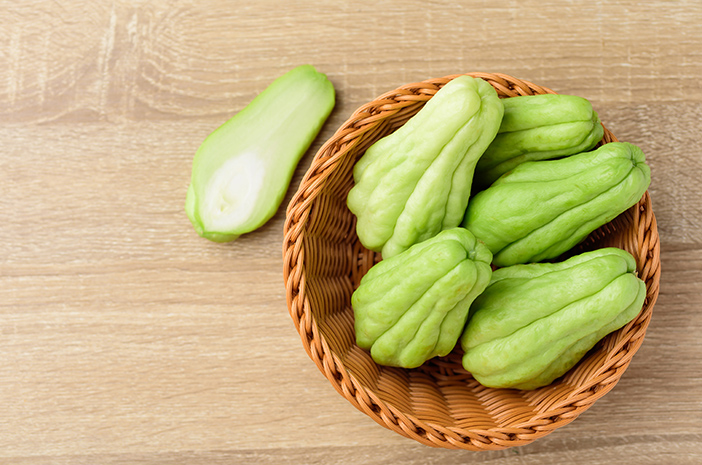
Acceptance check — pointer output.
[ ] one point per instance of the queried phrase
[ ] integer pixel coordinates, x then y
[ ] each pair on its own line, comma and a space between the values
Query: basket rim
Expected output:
363, 120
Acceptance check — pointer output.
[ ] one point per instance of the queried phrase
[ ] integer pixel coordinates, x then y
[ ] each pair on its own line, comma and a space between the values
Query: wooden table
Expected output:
126, 338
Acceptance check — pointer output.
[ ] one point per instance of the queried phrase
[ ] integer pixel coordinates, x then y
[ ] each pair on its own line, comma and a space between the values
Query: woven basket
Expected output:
438, 404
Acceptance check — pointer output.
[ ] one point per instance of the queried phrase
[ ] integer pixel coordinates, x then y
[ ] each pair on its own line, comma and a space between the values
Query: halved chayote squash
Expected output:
242, 170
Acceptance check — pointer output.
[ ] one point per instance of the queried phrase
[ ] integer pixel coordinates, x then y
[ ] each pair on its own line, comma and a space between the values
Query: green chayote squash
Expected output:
539, 127
416, 182
413, 306
242, 170
534, 322
541, 209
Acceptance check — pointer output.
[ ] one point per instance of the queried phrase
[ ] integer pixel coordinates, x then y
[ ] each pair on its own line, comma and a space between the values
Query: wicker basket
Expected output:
438, 404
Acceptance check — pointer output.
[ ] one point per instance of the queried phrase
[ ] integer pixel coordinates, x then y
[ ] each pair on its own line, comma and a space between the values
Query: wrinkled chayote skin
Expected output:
416, 182
538, 127
534, 322
542, 209
413, 306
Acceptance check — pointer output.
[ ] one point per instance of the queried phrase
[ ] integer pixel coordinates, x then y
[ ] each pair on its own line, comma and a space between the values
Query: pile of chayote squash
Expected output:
471, 203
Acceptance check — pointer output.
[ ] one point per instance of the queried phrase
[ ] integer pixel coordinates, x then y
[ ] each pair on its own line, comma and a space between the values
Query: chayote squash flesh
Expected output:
542, 209
242, 170
536, 321
413, 306
416, 182
538, 127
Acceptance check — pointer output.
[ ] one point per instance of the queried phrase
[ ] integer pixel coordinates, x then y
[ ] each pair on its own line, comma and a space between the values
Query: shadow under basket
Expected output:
438, 404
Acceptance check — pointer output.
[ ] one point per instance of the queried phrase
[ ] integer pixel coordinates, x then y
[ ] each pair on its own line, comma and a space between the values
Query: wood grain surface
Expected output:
127, 339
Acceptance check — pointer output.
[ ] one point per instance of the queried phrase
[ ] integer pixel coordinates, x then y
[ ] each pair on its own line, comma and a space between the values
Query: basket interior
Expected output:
439, 403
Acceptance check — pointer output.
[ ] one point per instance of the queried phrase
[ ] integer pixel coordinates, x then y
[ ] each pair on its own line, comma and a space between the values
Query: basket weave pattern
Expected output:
438, 404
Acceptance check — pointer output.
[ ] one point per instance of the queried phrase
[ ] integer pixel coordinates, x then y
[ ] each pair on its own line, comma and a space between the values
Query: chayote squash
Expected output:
534, 322
538, 127
541, 209
242, 170
413, 306
416, 182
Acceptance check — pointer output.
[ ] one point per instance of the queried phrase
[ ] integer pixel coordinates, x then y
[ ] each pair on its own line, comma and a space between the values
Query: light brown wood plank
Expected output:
184, 59
650, 450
